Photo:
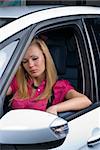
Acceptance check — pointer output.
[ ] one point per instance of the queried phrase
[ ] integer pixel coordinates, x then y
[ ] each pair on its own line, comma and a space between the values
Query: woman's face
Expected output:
34, 62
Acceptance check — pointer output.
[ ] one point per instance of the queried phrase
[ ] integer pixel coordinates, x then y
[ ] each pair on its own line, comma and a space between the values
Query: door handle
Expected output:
95, 137
94, 140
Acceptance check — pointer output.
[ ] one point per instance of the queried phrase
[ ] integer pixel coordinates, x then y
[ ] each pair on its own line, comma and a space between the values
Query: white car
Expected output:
72, 34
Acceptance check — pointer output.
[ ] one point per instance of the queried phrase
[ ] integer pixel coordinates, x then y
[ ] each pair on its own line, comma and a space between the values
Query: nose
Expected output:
30, 63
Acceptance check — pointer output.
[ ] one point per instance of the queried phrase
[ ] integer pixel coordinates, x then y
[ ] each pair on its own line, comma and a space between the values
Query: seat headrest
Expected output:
58, 51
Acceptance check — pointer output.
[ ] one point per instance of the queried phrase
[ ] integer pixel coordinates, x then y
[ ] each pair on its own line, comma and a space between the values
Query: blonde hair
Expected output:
50, 73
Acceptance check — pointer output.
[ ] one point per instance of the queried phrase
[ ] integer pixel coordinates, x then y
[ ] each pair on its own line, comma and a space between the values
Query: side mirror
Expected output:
27, 126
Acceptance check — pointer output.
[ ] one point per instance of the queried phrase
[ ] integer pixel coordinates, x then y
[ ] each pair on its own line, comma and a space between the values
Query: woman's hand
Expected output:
52, 110
74, 101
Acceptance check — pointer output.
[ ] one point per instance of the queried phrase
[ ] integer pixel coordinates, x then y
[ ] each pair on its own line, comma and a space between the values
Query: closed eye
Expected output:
24, 61
34, 58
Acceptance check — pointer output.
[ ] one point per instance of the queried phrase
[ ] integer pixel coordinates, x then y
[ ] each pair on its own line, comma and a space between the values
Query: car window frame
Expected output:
95, 49
62, 21
24, 39
45, 25
39, 27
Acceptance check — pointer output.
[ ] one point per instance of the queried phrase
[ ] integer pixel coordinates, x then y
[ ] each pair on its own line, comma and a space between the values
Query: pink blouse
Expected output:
60, 89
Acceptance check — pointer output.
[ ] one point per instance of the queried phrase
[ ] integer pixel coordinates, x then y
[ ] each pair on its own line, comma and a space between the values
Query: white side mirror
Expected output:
26, 126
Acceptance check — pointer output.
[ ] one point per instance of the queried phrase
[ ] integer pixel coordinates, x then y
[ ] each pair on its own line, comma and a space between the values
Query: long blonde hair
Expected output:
50, 73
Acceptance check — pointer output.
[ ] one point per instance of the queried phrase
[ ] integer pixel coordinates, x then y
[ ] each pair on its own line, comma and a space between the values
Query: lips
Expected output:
33, 71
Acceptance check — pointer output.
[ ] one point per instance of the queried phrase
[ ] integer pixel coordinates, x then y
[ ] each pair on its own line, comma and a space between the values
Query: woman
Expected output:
35, 80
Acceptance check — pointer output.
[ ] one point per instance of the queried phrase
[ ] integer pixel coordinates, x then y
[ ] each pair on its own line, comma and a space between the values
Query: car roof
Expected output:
18, 11
42, 15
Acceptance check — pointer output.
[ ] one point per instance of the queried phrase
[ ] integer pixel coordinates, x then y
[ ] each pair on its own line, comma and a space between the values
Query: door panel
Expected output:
80, 130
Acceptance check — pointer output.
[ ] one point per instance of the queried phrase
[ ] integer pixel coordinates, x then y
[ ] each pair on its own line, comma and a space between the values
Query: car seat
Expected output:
65, 59
66, 62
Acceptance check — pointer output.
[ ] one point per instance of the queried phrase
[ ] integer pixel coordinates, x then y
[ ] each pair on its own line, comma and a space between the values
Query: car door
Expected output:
10, 50
84, 124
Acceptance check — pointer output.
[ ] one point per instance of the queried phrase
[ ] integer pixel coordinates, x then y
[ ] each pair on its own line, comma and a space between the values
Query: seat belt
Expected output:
50, 101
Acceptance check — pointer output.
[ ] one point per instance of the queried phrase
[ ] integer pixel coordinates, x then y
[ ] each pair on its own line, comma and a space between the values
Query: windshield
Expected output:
4, 21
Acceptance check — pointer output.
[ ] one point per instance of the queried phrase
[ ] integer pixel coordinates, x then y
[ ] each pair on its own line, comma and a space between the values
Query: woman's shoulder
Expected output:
61, 88
62, 82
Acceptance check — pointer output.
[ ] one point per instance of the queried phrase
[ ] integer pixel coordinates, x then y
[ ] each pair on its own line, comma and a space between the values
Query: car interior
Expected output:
63, 48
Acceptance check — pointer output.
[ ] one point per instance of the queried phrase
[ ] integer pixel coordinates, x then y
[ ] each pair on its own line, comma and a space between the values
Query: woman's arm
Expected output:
74, 101
9, 92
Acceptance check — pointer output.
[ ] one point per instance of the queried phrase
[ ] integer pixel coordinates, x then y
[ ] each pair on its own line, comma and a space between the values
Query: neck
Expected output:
34, 86
38, 80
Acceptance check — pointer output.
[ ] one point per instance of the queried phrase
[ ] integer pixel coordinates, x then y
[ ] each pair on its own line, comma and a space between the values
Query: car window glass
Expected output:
5, 55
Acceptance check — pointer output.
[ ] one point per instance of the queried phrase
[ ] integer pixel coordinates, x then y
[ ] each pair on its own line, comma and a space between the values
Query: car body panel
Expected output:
82, 128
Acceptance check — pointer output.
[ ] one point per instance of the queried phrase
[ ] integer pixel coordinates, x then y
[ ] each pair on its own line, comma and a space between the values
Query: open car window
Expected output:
64, 46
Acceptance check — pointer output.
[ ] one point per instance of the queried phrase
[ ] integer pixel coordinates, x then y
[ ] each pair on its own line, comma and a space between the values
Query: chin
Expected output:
35, 75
